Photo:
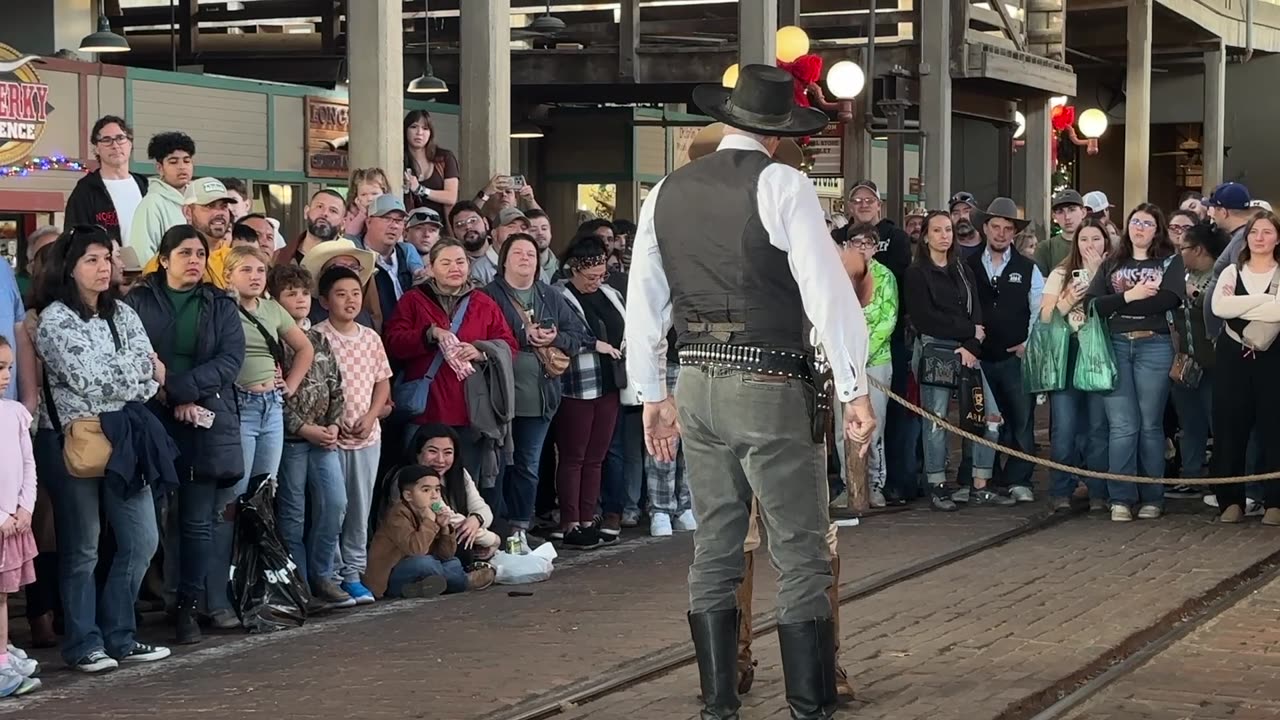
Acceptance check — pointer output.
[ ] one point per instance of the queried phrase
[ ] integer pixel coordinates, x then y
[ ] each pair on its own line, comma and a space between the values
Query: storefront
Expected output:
46, 106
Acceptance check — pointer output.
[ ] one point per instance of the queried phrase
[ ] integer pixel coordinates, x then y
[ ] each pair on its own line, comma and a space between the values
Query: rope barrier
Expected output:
1052, 465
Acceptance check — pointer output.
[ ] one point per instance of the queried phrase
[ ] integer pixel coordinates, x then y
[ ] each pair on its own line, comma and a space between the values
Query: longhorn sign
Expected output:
8, 66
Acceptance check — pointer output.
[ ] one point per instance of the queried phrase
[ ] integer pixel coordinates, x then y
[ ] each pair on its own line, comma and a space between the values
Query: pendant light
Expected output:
427, 82
526, 130
103, 41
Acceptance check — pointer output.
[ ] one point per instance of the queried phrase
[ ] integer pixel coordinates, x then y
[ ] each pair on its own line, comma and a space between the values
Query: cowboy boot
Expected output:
844, 689
746, 665
714, 642
808, 668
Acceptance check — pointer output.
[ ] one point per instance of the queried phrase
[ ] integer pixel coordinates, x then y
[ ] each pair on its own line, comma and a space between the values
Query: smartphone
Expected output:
1082, 275
547, 324
517, 182
204, 418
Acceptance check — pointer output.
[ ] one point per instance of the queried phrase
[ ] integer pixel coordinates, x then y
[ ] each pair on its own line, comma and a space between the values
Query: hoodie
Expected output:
90, 203
160, 209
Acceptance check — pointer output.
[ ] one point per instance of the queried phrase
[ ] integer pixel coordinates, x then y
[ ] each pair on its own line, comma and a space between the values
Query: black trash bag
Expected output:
267, 591
973, 401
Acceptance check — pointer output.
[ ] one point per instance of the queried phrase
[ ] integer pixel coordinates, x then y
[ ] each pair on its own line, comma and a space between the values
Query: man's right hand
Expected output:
662, 429
860, 423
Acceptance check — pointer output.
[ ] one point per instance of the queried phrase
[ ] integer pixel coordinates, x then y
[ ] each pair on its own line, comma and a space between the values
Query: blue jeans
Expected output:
196, 501
1077, 437
937, 400
1195, 420
262, 441
624, 466
520, 486
413, 568
902, 427
1004, 383
311, 483
103, 621
1135, 414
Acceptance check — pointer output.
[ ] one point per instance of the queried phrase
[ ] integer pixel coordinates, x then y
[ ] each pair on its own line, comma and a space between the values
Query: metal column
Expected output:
1215, 103
757, 32
935, 99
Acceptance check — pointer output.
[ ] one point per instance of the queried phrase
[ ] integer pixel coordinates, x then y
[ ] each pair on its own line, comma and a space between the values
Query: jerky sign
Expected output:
24, 106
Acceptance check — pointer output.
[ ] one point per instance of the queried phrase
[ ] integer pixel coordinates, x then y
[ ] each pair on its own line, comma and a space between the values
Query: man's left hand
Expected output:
662, 429
1020, 349
860, 423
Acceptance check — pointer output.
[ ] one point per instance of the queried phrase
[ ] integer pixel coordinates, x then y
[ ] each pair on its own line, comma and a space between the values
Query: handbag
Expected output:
410, 396
940, 365
85, 450
273, 345
1185, 371
554, 360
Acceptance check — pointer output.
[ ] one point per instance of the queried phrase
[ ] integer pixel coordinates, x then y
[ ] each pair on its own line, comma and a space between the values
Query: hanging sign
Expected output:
328, 133
24, 106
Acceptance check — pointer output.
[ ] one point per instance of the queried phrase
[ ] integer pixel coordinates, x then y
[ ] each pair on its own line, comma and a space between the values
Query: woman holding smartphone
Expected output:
1078, 427
544, 324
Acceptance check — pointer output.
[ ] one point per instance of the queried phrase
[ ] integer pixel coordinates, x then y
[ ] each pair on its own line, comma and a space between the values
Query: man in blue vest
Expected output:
1009, 289
733, 249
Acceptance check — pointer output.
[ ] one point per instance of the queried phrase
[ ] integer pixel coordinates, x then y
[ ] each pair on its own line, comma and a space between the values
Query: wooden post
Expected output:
855, 477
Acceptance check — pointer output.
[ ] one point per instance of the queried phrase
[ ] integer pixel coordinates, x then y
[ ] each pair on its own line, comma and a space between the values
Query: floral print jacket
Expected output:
319, 397
86, 375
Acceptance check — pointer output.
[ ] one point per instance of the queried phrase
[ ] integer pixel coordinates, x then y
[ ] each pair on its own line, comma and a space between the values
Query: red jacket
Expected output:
405, 336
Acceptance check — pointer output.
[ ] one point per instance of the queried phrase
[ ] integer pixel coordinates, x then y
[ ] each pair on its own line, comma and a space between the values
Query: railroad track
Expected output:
676, 657
1136, 650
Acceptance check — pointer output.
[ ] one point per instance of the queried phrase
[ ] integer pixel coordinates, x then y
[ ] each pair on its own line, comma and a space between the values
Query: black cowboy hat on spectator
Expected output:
1001, 207
762, 102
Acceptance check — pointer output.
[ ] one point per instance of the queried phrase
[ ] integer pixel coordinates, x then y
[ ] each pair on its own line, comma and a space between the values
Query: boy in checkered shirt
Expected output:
366, 387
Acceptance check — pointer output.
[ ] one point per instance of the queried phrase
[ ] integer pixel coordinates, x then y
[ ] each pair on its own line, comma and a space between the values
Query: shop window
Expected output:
284, 202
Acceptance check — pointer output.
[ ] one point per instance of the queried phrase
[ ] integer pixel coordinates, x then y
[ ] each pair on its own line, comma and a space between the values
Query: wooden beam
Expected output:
330, 25
188, 27
628, 39
1014, 35
977, 37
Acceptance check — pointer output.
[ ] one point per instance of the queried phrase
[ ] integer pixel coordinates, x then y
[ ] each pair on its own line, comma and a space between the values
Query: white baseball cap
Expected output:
1096, 201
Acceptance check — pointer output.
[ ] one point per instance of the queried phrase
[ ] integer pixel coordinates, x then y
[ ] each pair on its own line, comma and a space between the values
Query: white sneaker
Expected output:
685, 522
26, 667
961, 495
1148, 512
660, 525
877, 498
14, 683
15, 650
1121, 513
1253, 508
1022, 494
840, 502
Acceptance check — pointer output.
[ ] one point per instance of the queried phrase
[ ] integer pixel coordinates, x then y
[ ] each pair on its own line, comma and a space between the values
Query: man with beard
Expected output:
206, 206
962, 207
324, 215
470, 228
509, 221
109, 195
1068, 212
540, 229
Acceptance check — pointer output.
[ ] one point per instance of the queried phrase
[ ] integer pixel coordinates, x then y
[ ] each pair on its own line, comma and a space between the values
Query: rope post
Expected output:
855, 477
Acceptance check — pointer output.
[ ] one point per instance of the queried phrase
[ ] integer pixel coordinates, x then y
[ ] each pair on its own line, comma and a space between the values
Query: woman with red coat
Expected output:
422, 327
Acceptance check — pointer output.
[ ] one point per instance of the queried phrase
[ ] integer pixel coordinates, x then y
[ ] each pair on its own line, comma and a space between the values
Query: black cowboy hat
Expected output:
762, 102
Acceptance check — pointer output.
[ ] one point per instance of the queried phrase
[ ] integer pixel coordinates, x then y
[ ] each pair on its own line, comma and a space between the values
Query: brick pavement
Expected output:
600, 611
974, 638
1228, 668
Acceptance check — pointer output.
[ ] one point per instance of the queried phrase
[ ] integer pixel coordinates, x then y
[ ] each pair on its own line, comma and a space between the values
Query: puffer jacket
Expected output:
213, 453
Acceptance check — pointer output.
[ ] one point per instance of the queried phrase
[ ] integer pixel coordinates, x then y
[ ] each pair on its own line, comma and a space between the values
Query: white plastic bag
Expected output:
523, 569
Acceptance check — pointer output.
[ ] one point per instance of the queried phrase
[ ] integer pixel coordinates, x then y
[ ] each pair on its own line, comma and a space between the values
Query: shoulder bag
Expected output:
410, 396
273, 344
554, 360
1185, 371
85, 450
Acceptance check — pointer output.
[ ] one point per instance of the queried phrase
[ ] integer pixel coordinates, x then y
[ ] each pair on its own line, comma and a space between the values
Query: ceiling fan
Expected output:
1186, 148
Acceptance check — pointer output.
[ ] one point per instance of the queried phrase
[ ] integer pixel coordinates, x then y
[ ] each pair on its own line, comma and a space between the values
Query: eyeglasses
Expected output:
393, 220
865, 201
594, 277
113, 140
1142, 224
863, 242
463, 224
1179, 228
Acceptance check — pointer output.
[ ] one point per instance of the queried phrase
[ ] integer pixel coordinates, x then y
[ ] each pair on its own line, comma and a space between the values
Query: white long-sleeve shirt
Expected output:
790, 213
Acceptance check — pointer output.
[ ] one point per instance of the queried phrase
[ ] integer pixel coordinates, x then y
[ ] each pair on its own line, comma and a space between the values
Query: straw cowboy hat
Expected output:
762, 102
709, 137
1001, 207
314, 261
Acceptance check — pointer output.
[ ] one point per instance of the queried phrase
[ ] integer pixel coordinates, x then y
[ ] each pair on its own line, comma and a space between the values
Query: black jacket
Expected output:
214, 453
90, 204
943, 303
142, 454
572, 335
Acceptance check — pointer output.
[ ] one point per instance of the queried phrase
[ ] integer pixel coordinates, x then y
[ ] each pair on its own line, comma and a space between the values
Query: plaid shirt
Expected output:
584, 380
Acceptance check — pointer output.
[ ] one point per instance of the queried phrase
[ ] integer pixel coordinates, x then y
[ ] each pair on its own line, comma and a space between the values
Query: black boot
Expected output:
715, 639
809, 668
188, 627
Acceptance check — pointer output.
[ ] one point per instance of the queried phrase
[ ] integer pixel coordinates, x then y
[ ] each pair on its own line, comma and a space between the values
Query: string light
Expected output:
41, 164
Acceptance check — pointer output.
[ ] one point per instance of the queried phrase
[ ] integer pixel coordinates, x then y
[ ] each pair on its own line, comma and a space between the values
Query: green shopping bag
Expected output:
1096, 362
1044, 364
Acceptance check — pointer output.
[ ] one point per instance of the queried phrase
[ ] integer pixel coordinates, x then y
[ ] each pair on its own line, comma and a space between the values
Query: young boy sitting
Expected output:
413, 553
310, 470
366, 387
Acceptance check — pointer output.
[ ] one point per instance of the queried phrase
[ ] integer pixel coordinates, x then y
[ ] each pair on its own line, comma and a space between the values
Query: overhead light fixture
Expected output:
525, 130
547, 23
427, 83
104, 41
